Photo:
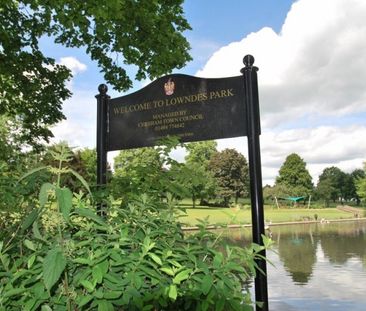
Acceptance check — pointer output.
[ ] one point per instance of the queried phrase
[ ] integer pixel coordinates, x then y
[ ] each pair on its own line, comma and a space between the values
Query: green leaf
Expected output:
36, 232
82, 180
83, 261
156, 258
29, 244
53, 265
173, 292
217, 260
207, 282
46, 308
97, 274
112, 294
30, 261
181, 276
29, 220
64, 199
168, 271
220, 304
105, 305
44, 193
85, 212
13, 292
88, 285
84, 300
35, 170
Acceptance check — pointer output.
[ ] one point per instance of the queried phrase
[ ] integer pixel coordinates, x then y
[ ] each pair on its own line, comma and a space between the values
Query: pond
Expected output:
315, 266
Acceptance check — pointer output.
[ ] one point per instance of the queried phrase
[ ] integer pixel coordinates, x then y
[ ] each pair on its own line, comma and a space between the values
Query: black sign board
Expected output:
193, 109
178, 105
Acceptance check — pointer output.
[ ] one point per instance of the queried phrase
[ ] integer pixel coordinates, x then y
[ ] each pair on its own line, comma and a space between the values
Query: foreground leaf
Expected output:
53, 266
64, 199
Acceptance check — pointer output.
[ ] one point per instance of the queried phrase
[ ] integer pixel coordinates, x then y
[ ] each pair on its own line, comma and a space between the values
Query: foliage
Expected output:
136, 170
325, 190
294, 175
361, 185
135, 259
336, 179
200, 152
198, 182
82, 161
115, 34
356, 176
88, 158
230, 170
279, 191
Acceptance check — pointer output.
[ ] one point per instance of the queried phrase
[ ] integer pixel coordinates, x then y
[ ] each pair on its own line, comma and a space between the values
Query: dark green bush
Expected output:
135, 258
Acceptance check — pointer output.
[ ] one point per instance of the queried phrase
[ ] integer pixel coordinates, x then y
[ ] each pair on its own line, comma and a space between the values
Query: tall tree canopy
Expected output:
114, 33
336, 179
294, 175
361, 184
230, 170
200, 152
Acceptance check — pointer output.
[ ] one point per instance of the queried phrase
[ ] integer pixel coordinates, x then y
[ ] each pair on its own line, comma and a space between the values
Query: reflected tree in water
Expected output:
339, 247
298, 254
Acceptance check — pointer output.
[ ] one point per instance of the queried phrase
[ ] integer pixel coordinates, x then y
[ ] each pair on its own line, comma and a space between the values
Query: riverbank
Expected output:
214, 218
233, 226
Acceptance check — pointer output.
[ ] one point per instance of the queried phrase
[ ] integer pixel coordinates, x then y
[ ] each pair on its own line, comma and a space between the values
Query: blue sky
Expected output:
312, 73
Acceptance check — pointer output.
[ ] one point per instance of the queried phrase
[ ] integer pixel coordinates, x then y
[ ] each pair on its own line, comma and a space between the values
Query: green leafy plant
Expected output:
136, 258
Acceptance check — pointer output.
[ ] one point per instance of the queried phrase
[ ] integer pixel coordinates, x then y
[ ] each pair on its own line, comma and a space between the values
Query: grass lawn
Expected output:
274, 215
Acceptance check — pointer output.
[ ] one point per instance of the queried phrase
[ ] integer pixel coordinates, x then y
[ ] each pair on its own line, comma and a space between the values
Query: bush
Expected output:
132, 259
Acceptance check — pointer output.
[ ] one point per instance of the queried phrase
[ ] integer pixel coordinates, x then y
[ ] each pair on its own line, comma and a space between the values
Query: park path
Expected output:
346, 208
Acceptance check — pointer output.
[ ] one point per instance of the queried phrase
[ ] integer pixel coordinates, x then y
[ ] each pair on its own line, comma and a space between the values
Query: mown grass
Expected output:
243, 216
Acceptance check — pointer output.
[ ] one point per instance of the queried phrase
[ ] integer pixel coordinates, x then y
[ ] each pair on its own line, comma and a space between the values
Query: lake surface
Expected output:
316, 266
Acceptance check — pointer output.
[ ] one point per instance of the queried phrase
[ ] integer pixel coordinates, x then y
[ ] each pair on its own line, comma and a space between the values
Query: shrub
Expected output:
136, 258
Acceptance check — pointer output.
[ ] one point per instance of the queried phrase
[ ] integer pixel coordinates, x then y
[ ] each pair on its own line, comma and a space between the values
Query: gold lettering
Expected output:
221, 93
214, 94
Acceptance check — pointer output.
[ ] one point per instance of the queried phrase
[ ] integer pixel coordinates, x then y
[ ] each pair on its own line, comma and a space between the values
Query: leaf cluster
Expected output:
115, 34
135, 258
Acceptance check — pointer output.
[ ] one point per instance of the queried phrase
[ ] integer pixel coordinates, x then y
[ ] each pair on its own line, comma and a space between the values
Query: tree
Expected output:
294, 175
201, 152
357, 175
230, 170
115, 34
88, 158
10, 146
137, 171
337, 180
361, 185
325, 190
83, 162
200, 183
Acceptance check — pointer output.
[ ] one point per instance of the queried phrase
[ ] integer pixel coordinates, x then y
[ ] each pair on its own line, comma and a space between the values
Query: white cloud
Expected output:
73, 64
312, 70
79, 128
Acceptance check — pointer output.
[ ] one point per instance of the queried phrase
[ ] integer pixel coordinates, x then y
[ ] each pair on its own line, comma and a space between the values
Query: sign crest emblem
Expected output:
169, 87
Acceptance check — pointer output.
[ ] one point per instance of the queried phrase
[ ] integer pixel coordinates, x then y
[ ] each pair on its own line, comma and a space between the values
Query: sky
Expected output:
311, 78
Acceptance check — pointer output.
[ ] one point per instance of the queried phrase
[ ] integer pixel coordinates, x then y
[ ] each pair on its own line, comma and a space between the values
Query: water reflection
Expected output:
316, 267
298, 254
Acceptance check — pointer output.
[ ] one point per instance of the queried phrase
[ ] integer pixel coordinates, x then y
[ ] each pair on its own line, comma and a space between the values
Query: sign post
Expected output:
193, 109
255, 173
102, 137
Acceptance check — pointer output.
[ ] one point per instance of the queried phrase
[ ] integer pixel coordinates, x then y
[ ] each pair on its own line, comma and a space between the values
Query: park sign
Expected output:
190, 108
193, 109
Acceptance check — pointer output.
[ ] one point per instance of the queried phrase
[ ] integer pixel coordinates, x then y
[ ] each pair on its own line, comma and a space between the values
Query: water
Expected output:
316, 266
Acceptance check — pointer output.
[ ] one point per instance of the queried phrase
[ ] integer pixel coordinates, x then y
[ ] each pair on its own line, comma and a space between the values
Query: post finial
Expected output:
103, 89
248, 60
